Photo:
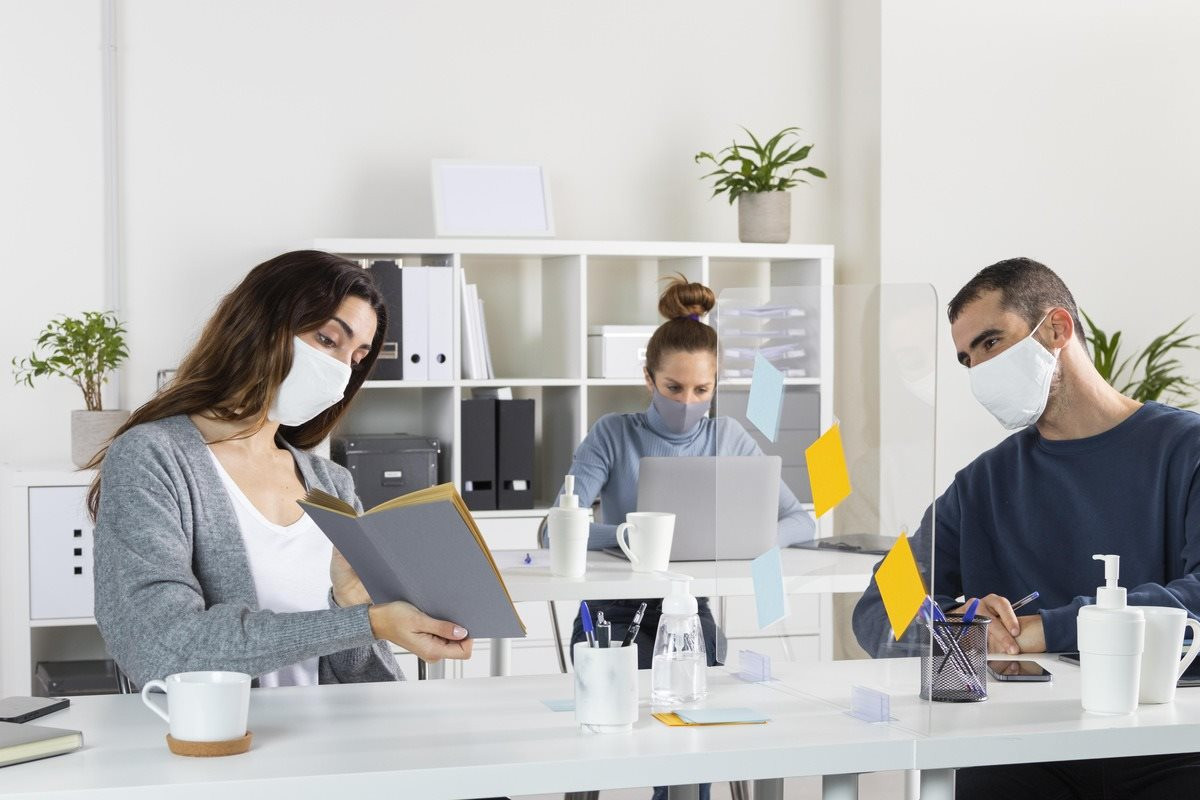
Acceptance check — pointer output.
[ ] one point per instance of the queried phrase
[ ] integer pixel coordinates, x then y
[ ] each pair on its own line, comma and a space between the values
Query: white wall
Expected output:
50, 205
1066, 132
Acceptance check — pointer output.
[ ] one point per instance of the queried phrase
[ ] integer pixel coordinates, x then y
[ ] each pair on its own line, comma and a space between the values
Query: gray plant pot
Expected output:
765, 217
91, 430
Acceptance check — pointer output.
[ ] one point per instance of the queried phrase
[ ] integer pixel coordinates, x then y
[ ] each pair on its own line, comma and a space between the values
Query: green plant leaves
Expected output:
758, 167
1150, 374
82, 349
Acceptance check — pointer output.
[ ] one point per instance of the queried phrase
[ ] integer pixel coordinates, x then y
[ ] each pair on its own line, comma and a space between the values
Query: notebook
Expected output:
424, 548
871, 543
29, 742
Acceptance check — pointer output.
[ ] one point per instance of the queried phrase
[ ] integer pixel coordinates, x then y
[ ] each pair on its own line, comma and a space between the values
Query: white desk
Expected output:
450, 739
609, 577
1019, 723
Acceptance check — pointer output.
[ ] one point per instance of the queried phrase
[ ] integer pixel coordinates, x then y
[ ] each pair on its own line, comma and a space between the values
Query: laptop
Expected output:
725, 506
871, 543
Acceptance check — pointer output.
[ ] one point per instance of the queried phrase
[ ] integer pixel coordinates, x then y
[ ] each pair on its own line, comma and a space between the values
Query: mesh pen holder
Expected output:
954, 668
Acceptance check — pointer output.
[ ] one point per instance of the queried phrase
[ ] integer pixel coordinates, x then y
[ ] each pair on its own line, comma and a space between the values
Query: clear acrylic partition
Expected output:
861, 359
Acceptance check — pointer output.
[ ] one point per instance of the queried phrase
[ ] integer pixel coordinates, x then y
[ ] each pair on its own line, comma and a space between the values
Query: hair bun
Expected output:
683, 298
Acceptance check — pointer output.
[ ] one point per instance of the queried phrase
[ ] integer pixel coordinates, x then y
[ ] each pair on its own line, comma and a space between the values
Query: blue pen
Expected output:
1026, 600
967, 619
585, 616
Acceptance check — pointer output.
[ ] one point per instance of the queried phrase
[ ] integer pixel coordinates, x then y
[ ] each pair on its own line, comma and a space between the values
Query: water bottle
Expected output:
678, 673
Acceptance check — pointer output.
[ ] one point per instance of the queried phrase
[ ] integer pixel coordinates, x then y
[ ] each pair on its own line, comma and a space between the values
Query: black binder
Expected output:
479, 454
514, 453
388, 365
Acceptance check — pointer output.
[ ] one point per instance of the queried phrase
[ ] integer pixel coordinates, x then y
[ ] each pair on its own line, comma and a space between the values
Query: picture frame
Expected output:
491, 198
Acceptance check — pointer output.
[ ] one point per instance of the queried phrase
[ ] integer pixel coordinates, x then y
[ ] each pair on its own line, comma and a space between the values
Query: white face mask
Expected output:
1015, 385
314, 383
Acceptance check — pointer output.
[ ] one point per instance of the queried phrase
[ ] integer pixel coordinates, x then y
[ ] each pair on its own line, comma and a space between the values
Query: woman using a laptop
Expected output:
681, 376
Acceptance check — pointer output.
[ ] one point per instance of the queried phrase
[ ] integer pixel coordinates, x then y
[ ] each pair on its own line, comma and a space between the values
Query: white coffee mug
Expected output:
645, 539
203, 706
1161, 665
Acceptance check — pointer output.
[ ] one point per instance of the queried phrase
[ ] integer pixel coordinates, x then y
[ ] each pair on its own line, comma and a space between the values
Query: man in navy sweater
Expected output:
1089, 471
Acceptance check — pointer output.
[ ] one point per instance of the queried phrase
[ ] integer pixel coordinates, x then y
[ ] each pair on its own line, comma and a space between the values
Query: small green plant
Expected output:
756, 167
82, 349
1148, 374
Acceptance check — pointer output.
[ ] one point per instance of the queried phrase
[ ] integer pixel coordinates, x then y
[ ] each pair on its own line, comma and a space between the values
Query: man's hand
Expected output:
1032, 638
1004, 628
347, 588
425, 637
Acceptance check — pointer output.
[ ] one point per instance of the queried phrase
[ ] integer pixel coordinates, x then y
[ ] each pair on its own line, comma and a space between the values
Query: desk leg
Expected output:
768, 789
689, 792
501, 657
912, 784
840, 787
937, 784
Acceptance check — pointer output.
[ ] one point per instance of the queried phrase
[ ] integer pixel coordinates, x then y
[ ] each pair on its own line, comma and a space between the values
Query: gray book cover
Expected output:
426, 555
24, 742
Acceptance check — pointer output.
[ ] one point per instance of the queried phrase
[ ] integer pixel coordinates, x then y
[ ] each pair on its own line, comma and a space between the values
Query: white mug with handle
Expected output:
1161, 664
203, 706
645, 539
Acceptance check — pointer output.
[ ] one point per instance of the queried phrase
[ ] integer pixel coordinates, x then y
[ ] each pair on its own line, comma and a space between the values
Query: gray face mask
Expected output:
679, 417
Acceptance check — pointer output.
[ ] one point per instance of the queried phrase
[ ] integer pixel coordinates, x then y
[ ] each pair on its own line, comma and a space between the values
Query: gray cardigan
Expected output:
173, 586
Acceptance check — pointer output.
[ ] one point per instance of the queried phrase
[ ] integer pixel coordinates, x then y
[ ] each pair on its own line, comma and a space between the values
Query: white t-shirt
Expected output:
290, 568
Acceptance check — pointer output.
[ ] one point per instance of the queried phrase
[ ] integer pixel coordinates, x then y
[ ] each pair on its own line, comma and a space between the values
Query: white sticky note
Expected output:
765, 403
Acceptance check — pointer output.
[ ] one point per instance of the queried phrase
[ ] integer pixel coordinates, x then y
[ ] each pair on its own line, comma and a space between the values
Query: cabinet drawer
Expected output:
60, 553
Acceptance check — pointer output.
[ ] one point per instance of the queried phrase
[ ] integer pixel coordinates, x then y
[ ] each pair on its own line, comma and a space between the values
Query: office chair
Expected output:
124, 685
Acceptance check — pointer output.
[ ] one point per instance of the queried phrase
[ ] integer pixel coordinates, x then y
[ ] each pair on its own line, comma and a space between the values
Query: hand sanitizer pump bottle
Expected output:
1111, 636
678, 671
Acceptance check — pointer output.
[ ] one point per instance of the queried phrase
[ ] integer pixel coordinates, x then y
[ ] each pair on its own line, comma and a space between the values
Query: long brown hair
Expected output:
682, 303
245, 350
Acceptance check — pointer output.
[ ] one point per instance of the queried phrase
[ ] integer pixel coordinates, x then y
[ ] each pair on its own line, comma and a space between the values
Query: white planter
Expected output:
91, 430
765, 217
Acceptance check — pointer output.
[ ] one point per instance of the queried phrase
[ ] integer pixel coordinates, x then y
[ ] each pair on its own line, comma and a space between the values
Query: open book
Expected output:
424, 548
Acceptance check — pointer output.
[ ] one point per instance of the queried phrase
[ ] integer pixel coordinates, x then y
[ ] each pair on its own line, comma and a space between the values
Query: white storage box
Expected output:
617, 351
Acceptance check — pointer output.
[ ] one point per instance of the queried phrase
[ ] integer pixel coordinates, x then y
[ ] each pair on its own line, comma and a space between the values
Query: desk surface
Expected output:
478, 738
462, 738
610, 577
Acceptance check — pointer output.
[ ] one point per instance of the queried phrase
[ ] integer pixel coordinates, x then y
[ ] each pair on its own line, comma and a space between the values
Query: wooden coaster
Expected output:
232, 747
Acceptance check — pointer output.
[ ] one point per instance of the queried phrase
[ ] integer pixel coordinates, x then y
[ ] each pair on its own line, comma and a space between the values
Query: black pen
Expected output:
635, 626
603, 631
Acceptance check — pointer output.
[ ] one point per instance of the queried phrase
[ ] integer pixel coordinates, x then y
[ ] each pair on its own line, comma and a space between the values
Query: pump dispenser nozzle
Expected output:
1110, 595
569, 499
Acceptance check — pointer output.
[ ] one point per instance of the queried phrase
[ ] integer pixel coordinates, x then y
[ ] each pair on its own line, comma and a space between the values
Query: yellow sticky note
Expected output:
900, 585
827, 473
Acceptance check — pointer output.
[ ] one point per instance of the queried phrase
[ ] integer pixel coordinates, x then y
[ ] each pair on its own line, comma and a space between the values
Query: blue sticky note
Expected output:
766, 397
769, 598
565, 704
720, 716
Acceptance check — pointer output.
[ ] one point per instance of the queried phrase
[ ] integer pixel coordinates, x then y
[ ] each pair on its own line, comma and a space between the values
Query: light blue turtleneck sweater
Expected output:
606, 465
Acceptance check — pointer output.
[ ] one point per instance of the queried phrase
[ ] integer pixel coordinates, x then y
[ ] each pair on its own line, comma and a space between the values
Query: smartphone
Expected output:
23, 709
1018, 670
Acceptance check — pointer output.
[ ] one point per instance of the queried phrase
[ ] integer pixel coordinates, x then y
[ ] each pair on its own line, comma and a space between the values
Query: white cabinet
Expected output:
60, 553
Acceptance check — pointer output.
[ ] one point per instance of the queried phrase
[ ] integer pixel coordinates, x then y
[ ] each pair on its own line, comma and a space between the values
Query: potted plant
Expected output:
84, 350
759, 176
1160, 375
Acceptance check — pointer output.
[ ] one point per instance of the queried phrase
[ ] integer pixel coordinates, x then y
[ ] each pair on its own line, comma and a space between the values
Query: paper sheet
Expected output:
766, 397
770, 600
827, 473
900, 586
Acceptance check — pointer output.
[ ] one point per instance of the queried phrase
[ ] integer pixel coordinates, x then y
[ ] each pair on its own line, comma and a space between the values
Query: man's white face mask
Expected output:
315, 382
1015, 385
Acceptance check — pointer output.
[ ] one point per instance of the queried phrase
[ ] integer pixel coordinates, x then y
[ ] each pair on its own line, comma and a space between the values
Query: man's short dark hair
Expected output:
1026, 287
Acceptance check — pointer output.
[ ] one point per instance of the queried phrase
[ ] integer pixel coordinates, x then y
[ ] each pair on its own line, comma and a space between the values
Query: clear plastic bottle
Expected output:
678, 673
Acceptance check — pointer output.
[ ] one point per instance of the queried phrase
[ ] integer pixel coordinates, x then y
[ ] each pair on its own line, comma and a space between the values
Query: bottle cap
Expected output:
1110, 595
680, 600
568, 499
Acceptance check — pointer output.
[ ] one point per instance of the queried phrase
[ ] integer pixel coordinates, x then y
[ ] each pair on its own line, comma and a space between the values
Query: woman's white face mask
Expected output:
1015, 385
315, 383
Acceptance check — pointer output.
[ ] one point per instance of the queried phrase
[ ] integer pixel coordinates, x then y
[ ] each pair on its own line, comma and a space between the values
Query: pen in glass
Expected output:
603, 631
585, 616
635, 626
1026, 600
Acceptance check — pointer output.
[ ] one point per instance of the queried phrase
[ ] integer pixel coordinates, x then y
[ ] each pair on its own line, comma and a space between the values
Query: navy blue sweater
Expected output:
1029, 514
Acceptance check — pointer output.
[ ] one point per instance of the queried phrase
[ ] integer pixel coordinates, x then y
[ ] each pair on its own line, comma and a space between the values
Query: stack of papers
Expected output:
476, 353
712, 716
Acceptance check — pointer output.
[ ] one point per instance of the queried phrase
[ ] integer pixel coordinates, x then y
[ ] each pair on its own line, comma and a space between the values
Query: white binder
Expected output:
441, 323
415, 323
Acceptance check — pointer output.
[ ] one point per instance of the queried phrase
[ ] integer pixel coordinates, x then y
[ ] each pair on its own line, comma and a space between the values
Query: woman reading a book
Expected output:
203, 559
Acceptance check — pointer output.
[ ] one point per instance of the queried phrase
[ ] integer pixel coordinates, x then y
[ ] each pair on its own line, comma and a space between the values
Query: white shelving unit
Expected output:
542, 296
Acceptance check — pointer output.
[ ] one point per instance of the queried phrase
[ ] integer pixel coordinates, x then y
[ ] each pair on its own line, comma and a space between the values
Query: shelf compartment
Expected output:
423, 411
624, 290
